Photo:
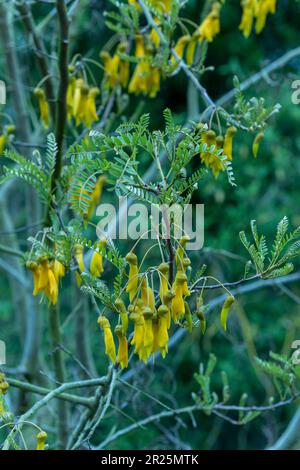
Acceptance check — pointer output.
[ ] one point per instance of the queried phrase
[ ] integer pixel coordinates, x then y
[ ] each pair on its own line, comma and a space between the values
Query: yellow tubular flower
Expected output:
225, 311
78, 251
70, 97
3, 139
147, 295
90, 112
209, 138
191, 48
216, 164
110, 348
41, 440
43, 275
180, 252
79, 84
58, 270
123, 314
170, 294
263, 8
154, 82
231, 131
163, 269
210, 26
79, 117
148, 333
122, 357
247, 17
111, 68
163, 337
256, 142
178, 307
139, 330
96, 266
34, 268
51, 290
179, 49
132, 285
44, 107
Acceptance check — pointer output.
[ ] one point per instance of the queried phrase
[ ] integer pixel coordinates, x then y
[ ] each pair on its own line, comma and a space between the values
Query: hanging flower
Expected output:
78, 252
178, 307
147, 294
162, 334
148, 332
230, 132
256, 143
96, 266
90, 113
225, 310
247, 17
139, 330
111, 68
179, 49
41, 440
210, 26
123, 314
44, 107
191, 48
110, 349
122, 357
163, 269
124, 65
168, 297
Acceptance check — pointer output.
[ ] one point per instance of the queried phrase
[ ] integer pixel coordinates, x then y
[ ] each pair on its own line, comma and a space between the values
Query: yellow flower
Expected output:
180, 252
132, 285
247, 17
179, 49
51, 290
147, 295
256, 142
225, 310
78, 251
90, 112
168, 297
210, 26
209, 138
148, 332
231, 131
163, 269
178, 307
110, 349
122, 357
94, 198
162, 334
44, 279
191, 48
139, 330
58, 270
111, 68
123, 314
154, 36
96, 266
70, 96
3, 139
44, 107
264, 7
41, 440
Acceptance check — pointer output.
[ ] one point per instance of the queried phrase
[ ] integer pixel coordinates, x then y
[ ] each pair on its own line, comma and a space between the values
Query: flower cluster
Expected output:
150, 314
257, 10
43, 106
46, 277
211, 139
81, 101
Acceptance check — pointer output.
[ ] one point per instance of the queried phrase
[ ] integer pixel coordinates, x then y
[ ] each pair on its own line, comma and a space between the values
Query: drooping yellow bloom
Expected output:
44, 279
3, 139
178, 307
96, 266
210, 26
70, 97
110, 348
90, 113
168, 297
154, 36
111, 68
139, 330
148, 332
123, 314
58, 270
122, 357
132, 285
209, 138
147, 295
179, 49
41, 440
180, 251
216, 163
231, 131
247, 17
163, 269
225, 310
44, 107
78, 251
264, 7
51, 289
191, 48
256, 142
162, 334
